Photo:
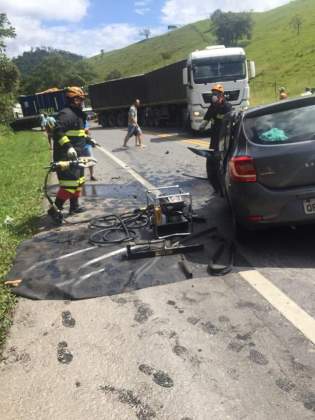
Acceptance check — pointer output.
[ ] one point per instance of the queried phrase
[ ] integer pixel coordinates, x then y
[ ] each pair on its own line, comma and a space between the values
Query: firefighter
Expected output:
218, 108
216, 112
70, 139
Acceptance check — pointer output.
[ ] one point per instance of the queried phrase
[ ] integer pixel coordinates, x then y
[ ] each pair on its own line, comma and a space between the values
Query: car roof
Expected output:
279, 106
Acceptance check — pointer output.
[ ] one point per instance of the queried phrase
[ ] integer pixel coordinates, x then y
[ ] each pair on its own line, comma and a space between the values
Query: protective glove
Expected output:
92, 142
72, 154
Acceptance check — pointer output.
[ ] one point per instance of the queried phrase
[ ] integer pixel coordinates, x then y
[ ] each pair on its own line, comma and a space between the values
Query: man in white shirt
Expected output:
133, 126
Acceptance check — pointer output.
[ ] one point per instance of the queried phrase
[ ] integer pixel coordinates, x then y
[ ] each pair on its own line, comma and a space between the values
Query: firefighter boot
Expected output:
75, 207
55, 211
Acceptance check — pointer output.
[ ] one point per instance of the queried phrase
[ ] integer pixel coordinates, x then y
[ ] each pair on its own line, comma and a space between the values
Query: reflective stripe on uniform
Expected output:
73, 183
76, 133
81, 180
63, 140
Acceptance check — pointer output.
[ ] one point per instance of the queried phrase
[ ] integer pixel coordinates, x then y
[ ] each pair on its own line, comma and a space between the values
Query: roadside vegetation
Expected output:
281, 44
23, 157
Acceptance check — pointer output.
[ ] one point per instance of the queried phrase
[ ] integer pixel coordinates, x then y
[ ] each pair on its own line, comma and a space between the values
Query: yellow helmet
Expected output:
218, 88
75, 92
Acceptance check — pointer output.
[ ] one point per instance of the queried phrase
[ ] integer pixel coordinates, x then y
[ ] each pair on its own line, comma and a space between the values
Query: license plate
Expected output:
309, 206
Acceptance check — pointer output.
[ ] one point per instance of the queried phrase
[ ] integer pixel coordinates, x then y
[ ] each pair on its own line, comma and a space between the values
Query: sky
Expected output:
86, 27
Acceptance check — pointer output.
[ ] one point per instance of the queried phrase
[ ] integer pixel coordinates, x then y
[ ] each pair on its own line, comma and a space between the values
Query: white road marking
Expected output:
131, 171
278, 299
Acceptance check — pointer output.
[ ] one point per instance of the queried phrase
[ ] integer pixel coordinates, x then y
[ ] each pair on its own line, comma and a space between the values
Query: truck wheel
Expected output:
120, 120
103, 121
111, 120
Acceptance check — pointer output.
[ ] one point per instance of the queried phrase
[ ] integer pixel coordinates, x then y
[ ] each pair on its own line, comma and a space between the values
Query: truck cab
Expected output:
216, 64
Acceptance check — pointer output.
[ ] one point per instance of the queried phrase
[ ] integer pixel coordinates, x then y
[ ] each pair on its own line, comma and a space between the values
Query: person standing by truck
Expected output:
88, 150
218, 108
133, 126
215, 113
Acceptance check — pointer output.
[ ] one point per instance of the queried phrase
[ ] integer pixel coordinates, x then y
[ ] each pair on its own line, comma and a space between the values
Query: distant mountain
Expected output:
29, 60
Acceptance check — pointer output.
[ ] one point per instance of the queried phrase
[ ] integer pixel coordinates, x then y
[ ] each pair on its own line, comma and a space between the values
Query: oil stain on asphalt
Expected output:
159, 377
67, 319
143, 313
63, 354
125, 396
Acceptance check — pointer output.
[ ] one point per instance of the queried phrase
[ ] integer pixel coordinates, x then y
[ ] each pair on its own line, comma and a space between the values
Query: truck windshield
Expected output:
218, 69
290, 126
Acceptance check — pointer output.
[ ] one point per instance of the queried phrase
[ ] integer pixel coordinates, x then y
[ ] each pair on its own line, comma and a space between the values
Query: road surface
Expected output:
237, 347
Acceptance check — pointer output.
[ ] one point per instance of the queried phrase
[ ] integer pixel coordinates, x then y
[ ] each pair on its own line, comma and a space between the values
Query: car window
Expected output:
289, 126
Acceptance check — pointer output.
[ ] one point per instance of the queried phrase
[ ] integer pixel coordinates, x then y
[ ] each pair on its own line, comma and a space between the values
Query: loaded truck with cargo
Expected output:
48, 102
178, 94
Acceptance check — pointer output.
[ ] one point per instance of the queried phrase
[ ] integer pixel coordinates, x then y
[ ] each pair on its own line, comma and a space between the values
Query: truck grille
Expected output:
231, 95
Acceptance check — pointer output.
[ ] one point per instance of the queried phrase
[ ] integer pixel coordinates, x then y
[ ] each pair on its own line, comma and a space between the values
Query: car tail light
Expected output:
255, 218
242, 169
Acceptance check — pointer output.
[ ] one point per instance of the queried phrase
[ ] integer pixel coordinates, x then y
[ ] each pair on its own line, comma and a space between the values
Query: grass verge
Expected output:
22, 158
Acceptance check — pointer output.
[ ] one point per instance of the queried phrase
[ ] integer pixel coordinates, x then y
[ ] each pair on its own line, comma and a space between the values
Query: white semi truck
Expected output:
178, 94
216, 64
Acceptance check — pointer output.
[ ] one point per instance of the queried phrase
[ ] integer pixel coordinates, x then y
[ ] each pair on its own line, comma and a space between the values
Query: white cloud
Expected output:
88, 42
142, 3
182, 12
142, 7
142, 11
70, 11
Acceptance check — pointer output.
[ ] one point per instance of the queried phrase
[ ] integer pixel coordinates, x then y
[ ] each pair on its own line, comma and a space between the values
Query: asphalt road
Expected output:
160, 346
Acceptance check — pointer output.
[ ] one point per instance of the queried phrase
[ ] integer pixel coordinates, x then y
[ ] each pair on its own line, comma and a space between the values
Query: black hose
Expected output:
117, 229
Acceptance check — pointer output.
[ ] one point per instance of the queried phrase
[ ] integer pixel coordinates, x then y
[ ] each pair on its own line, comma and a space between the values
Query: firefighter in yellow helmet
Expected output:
69, 140
219, 106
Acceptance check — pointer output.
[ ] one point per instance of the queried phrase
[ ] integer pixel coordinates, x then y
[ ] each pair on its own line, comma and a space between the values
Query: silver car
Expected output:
266, 164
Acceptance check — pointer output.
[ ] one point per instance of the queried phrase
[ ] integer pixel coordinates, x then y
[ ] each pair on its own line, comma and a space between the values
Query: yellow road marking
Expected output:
197, 143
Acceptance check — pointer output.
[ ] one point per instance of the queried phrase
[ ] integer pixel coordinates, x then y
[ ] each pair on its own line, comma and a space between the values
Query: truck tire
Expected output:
121, 119
111, 120
103, 120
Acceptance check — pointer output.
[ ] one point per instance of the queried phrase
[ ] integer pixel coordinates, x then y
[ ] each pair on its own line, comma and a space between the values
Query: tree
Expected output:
229, 28
166, 55
146, 32
57, 70
296, 23
29, 60
6, 31
9, 74
114, 74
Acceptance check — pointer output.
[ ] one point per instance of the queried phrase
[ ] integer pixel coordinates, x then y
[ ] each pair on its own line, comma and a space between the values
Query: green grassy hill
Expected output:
282, 57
